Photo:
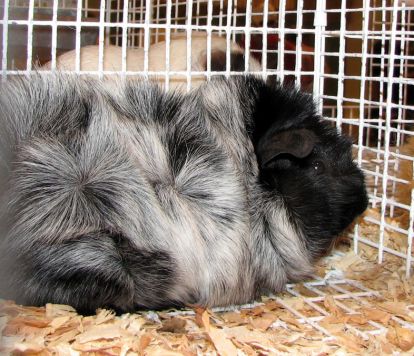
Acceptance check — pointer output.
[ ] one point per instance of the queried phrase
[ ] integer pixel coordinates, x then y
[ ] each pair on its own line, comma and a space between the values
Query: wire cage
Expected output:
355, 56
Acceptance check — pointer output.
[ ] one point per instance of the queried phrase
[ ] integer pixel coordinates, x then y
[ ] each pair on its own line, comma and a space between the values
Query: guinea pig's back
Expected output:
83, 227
196, 185
127, 201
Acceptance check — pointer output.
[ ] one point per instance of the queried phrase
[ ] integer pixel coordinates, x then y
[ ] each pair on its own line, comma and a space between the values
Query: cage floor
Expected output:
352, 305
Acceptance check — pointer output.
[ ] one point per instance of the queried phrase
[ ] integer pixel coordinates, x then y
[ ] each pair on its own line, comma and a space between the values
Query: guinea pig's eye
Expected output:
318, 166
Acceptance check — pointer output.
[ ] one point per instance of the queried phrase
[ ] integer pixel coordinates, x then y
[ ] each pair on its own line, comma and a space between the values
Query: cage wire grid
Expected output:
339, 294
356, 57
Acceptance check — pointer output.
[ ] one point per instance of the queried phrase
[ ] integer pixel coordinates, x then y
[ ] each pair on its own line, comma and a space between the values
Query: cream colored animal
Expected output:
112, 58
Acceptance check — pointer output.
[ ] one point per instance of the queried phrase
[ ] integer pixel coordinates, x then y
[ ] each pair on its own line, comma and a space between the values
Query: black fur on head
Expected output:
307, 162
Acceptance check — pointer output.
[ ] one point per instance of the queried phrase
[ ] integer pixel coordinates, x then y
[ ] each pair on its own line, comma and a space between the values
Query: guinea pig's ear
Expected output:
298, 143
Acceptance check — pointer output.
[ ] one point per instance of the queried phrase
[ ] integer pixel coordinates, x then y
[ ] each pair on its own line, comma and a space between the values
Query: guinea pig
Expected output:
140, 198
112, 58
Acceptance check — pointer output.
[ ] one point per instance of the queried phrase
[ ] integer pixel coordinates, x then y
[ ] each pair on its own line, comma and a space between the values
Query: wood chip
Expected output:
401, 337
223, 345
331, 306
104, 315
135, 325
202, 318
350, 342
55, 310
28, 347
263, 322
174, 325
292, 321
377, 315
58, 322
397, 308
159, 351
98, 332
64, 338
271, 305
144, 342
246, 335
296, 303
347, 260
234, 318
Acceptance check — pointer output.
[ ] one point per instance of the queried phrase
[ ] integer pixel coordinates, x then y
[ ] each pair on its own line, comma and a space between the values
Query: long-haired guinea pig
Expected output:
112, 58
140, 198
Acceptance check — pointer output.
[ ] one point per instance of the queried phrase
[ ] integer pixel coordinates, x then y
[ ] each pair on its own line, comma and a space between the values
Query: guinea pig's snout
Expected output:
364, 199
357, 194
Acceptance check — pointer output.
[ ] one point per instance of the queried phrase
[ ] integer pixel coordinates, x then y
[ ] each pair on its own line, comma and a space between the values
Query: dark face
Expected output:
313, 170
305, 161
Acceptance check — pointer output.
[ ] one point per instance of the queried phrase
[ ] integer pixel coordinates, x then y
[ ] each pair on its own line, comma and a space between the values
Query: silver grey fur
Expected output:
91, 184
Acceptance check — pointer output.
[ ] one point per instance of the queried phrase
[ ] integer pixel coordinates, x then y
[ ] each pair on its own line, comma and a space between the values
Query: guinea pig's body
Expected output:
112, 59
139, 198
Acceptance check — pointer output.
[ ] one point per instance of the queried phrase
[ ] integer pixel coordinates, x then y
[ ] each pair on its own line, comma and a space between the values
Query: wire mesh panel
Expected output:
357, 57
374, 106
